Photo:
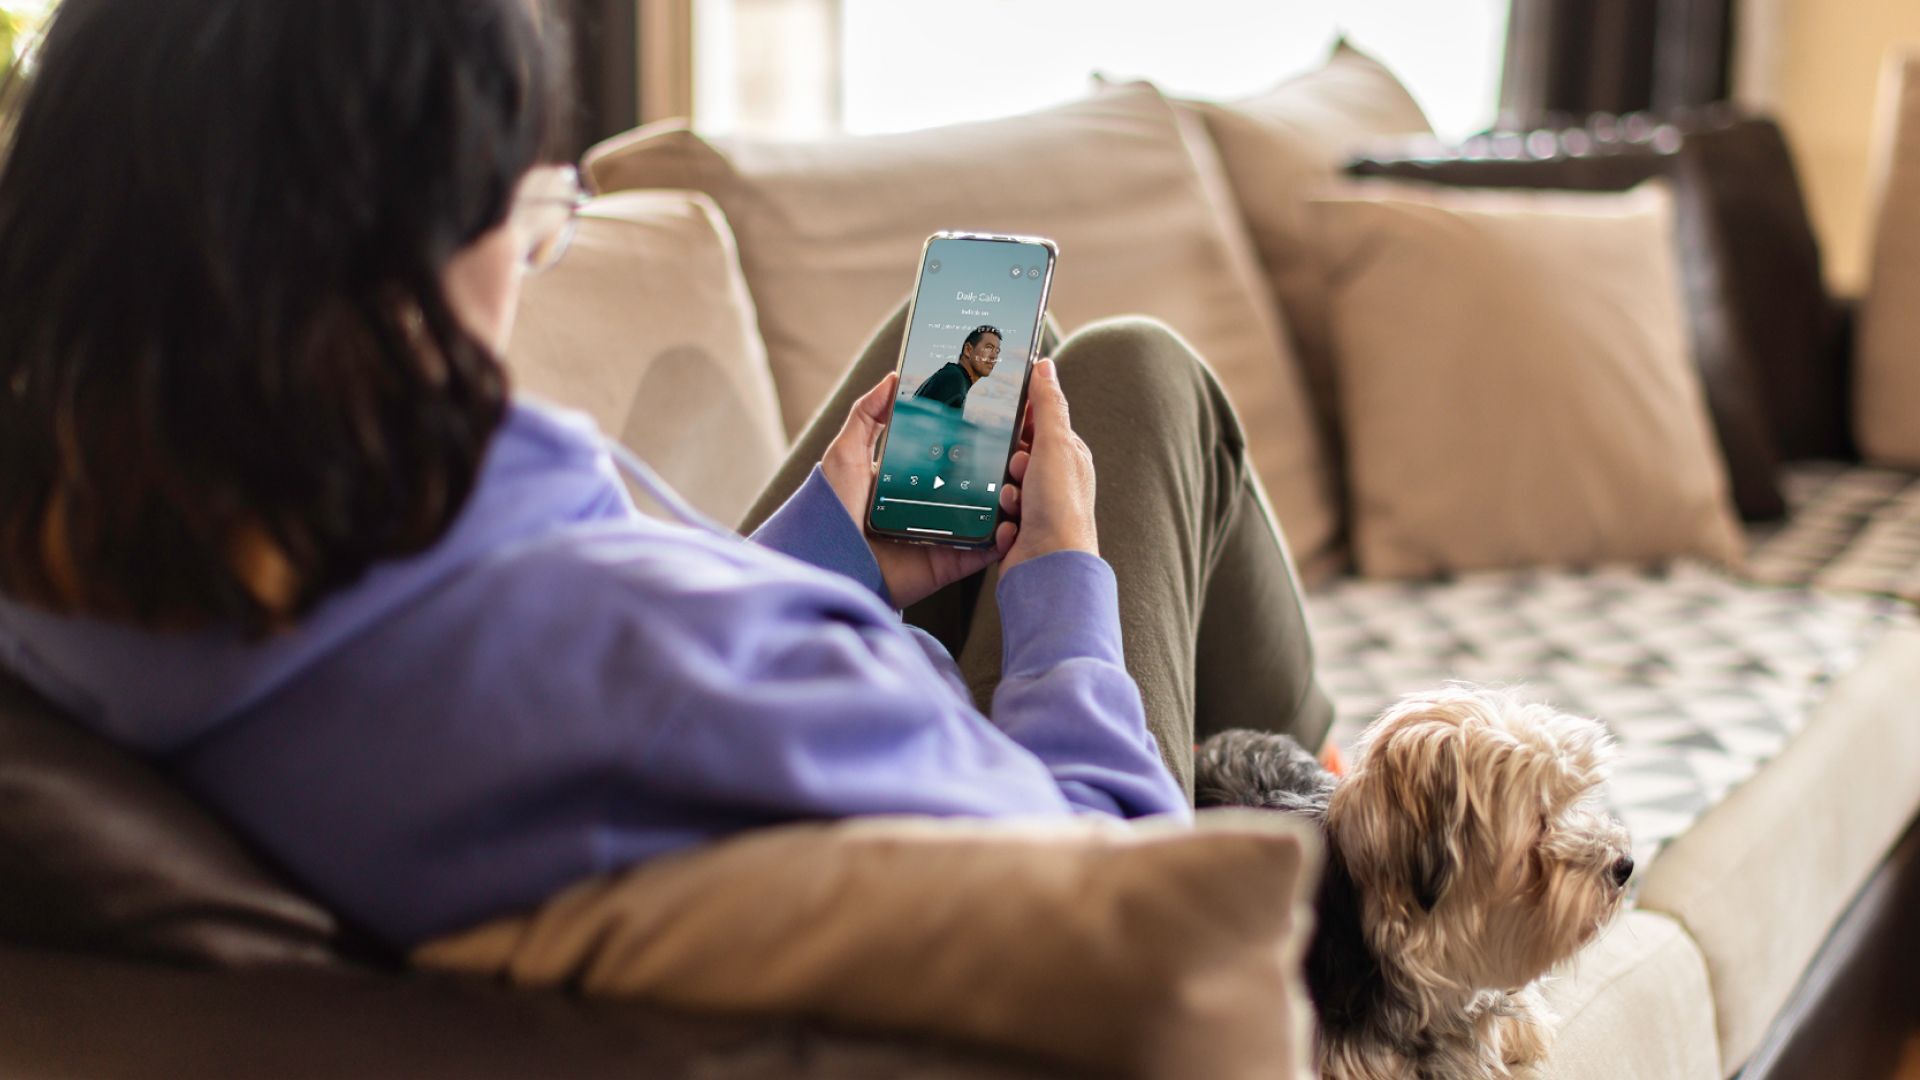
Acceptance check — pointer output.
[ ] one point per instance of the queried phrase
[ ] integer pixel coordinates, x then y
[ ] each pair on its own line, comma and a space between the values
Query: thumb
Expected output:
872, 405
869, 414
1047, 402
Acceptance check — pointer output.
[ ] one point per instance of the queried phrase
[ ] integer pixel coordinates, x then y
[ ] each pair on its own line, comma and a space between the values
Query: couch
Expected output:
1772, 768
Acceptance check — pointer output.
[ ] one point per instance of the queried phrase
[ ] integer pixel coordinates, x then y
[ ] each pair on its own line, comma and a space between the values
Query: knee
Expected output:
1138, 352
1133, 347
1155, 367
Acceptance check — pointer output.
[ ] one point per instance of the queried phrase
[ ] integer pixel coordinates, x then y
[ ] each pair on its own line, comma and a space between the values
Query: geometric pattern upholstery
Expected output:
1853, 529
1701, 678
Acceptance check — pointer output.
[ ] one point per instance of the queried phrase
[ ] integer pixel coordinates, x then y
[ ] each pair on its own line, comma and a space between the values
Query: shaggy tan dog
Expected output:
1469, 850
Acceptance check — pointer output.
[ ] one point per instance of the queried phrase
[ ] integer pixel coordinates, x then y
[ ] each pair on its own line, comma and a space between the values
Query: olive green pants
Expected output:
1210, 606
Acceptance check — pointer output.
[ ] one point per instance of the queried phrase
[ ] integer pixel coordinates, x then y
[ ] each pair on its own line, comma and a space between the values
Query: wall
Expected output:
1816, 65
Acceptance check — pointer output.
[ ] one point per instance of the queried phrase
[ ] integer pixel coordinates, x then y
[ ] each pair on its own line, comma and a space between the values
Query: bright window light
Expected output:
905, 64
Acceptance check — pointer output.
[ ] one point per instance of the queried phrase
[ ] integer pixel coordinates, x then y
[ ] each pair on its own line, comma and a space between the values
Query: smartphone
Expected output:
973, 334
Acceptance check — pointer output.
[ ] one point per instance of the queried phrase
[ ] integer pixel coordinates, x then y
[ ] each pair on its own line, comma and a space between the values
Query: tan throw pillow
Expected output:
1115, 949
1281, 147
1515, 383
1887, 382
830, 232
647, 326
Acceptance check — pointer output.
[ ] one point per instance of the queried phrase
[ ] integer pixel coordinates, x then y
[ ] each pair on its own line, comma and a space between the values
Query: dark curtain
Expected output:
1568, 59
602, 37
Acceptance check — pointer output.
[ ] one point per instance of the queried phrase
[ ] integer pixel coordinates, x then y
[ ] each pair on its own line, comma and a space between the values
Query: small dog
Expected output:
1467, 853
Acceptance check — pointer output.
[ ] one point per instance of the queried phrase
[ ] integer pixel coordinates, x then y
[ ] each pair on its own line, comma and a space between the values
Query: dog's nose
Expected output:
1622, 869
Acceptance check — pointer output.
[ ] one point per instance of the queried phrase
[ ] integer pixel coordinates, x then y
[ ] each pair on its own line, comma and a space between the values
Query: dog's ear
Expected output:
1433, 861
1402, 813
1423, 763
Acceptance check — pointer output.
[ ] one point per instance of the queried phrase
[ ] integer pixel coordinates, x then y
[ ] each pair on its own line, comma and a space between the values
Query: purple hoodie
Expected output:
562, 687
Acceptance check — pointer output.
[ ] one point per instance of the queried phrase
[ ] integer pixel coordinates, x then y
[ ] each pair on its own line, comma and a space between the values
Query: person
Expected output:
978, 354
271, 516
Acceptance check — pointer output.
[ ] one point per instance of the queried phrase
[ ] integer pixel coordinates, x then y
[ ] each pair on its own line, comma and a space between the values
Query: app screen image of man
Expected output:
978, 355
968, 352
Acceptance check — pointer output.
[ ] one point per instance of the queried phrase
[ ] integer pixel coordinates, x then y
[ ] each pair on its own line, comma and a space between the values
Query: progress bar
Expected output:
923, 502
936, 532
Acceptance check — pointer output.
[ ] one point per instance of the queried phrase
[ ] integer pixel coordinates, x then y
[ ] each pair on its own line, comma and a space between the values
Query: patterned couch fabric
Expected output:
1702, 678
1853, 529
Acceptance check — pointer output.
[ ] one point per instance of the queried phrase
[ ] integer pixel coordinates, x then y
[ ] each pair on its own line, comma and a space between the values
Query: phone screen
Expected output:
970, 344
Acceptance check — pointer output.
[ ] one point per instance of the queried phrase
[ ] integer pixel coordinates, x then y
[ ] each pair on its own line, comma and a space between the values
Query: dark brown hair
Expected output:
230, 380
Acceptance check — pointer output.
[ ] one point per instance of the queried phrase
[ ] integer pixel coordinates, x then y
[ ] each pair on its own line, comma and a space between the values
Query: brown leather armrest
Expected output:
139, 937
70, 1015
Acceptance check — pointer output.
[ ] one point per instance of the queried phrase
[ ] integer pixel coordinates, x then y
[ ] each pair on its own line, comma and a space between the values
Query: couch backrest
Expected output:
1887, 390
646, 325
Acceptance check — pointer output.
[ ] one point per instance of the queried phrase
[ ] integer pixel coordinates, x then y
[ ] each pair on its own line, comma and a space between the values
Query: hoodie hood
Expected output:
546, 468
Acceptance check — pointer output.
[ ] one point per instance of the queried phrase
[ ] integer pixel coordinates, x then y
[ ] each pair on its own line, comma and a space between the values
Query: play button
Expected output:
938, 483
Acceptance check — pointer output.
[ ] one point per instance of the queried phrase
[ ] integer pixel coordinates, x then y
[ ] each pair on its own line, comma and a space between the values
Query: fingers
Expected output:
1010, 500
971, 561
1004, 536
1017, 466
1042, 367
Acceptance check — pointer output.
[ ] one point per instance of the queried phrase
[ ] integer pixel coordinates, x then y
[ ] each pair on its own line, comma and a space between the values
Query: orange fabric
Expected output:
1330, 757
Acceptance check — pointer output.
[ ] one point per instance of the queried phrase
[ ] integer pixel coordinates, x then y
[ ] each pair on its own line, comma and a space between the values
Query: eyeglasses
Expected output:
547, 213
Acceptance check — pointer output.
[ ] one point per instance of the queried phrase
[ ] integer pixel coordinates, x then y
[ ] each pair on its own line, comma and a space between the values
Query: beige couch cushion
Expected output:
1761, 879
830, 230
1284, 145
1122, 950
1514, 382
646, 325
1634, 1003
1887, 384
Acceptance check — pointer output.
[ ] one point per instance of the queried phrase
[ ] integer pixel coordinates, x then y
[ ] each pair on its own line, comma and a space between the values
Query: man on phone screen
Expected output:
950, 384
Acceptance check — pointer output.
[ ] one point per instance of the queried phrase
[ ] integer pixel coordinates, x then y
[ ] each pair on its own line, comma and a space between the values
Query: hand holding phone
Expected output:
1049, 460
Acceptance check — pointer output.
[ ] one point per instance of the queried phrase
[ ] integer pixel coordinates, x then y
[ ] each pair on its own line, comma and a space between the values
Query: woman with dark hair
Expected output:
270, 516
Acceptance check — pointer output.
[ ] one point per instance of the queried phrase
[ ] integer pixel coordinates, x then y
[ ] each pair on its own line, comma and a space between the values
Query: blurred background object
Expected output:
1815, 65
20, 20
1569, 59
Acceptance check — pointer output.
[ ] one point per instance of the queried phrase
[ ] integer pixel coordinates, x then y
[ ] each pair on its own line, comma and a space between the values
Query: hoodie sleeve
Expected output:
1065, 694
813, 527
795, 701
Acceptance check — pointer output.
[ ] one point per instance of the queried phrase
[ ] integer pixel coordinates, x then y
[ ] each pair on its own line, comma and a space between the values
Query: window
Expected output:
19, 22
804, 68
